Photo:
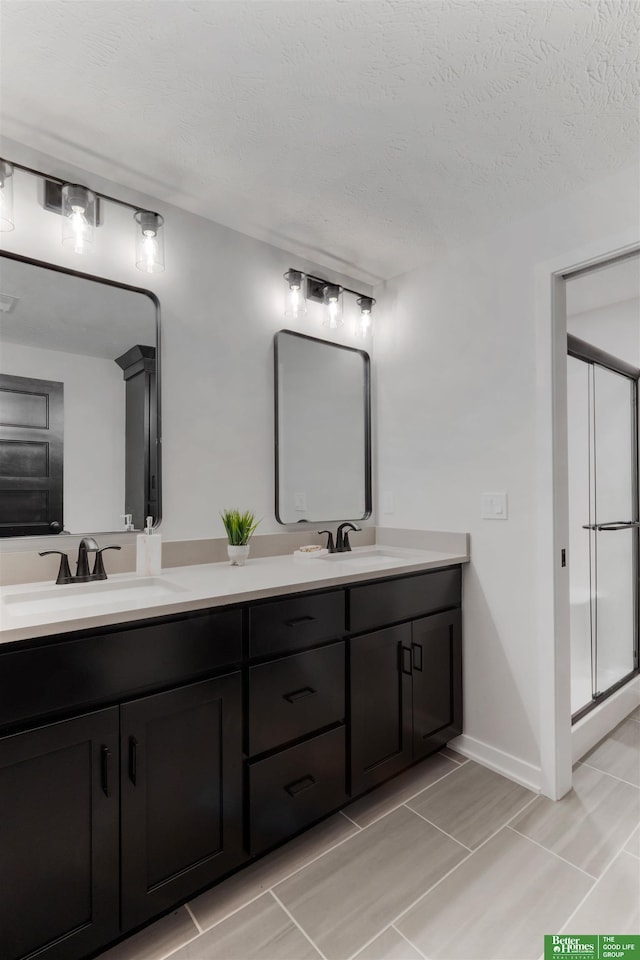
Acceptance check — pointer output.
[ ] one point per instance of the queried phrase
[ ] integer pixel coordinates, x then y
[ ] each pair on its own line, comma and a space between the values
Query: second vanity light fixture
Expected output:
80, 210
302, 287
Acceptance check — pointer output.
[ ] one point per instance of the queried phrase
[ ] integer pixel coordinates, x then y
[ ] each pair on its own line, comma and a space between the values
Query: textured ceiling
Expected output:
364, 135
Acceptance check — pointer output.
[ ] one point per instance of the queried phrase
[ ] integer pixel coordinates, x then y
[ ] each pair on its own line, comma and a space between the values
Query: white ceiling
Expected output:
364, 135
614, 283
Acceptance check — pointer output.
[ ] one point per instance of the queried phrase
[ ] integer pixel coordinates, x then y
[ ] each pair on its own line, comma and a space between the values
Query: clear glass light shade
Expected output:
332, 300
149, 242
78, 217
296, 299
364, 322
6, 196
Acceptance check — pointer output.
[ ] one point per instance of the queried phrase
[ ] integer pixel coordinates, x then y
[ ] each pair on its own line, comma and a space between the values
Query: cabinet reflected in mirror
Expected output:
323, 430
79, 402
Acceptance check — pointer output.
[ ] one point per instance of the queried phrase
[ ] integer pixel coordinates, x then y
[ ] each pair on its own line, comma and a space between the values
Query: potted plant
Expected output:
239, 527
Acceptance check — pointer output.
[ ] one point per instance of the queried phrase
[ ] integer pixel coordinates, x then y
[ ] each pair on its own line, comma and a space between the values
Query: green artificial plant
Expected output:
239, 526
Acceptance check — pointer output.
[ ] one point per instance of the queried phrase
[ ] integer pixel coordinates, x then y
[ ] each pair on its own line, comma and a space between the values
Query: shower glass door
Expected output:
615, 527
603, 482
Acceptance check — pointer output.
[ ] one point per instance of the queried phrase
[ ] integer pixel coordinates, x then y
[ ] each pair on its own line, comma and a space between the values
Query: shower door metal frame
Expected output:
594, 356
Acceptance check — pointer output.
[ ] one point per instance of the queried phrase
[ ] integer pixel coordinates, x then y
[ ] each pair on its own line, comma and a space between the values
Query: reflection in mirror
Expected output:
79, 392
323, 441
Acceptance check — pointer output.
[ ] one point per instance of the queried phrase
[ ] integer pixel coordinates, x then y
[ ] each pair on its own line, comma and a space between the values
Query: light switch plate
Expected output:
300, 500
494, 506
387, 502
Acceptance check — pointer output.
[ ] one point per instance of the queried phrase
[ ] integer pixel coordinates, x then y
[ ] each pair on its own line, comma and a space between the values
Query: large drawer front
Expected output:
101, 668
374, 605
293, 788
295, 696
285, 625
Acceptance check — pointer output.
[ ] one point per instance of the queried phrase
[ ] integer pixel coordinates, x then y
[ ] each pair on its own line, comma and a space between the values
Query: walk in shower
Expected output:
603, 370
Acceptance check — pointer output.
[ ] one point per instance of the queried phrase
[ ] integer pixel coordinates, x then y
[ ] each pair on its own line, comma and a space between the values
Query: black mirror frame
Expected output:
367, 427
9, 255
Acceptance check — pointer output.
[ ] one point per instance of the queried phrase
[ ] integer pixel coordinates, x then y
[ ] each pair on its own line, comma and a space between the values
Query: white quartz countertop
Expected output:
34, 610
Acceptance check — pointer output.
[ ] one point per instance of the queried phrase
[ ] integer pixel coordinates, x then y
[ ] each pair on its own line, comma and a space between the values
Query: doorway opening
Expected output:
603, 372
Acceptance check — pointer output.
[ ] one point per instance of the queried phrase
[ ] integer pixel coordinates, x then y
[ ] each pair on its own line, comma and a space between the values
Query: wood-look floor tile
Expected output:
634, 844
220, 901
619, 752
589, 825
400, 788
348, 896
389, 946
453, 755
260, 931
471, 803
613, 906
498, 904
157, 940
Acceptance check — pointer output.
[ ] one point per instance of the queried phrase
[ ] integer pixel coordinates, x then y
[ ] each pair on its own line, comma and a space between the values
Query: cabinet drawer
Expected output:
296, 787
374, 605
295, 696
296, 622
95, 668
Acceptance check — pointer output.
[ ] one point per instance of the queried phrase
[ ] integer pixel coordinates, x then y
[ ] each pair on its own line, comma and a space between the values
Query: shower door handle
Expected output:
618, 525
615, 525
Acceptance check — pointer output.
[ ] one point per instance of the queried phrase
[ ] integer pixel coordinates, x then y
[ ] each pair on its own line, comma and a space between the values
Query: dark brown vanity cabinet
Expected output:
110, 817
59, 835
406, 679
296, 712
140, 763
181, 793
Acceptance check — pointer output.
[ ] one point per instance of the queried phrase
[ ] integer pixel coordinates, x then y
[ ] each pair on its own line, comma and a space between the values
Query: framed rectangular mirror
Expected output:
79, 402
323, 430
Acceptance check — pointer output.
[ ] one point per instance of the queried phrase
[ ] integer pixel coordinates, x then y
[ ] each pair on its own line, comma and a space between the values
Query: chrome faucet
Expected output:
342, 539
87, 545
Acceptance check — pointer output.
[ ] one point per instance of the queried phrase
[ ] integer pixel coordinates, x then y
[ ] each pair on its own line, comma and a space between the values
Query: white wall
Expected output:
222, 300
94, 423
457, 400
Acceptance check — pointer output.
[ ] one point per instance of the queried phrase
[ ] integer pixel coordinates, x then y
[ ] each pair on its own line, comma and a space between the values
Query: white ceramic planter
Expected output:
237, 555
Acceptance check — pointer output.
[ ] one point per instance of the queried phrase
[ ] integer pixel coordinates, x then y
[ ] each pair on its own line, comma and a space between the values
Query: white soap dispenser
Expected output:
148, 552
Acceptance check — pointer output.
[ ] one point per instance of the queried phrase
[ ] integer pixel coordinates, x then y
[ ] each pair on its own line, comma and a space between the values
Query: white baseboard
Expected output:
526, 774
601, 721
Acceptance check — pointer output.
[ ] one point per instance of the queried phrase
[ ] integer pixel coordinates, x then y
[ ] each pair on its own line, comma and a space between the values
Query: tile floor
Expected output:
449, 861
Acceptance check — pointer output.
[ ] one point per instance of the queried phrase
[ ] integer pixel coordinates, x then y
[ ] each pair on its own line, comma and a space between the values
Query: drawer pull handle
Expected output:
105, 769
133, 760
296, 695
297, 786
298, 621
417, 660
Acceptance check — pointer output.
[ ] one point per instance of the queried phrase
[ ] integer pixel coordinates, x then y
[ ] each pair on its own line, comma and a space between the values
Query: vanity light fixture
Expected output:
296, 302
149, 241
6, 196
80, 209
332, 299
363, 327
303, 286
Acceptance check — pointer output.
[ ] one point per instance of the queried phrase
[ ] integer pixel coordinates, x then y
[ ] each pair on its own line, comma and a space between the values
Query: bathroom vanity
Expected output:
147, 753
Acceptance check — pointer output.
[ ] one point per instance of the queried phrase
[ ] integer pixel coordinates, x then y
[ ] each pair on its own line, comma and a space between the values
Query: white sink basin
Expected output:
74, 596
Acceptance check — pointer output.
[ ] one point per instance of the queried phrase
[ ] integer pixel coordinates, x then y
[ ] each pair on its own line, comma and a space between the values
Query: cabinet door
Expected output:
181, 772
59, 838
381, 723
437, 681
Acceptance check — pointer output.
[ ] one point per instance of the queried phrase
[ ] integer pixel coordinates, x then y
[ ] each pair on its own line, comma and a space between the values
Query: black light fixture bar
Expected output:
49, 178
316, 285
